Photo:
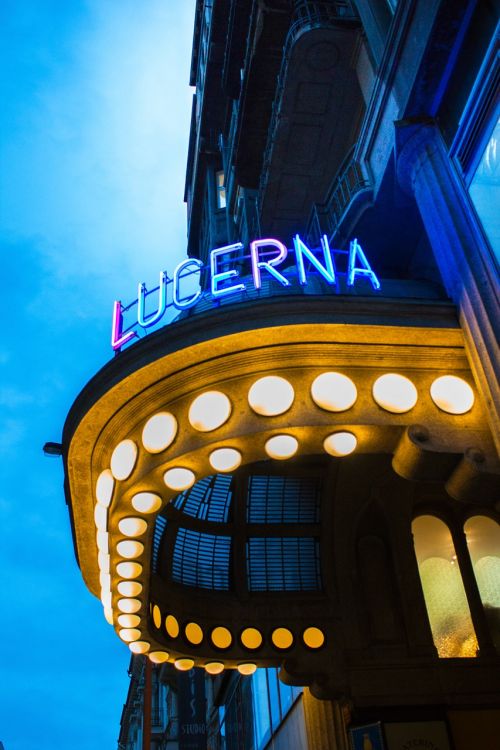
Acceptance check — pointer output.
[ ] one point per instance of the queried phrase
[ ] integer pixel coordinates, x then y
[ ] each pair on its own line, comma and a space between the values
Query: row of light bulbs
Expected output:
268, 396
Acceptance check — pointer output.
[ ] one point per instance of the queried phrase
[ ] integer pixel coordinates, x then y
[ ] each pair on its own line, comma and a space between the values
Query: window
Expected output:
444, 593
483, 542
221, 189
272, 700
484, 190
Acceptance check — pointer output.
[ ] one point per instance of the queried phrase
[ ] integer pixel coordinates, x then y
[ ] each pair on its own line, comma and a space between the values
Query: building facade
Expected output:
300, 472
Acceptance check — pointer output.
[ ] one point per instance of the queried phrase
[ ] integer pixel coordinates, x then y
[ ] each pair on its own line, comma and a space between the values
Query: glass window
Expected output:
444, 593
483, 541
221, 189
262, 721
485, 190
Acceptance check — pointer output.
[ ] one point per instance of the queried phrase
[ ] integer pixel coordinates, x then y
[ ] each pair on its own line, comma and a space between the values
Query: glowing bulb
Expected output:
129, 588
340, 443
171, 626
394, 393
104, 488
103, 561
101, 517
179, 478
282, 638
129, 634
251, 638
129, 621
105, 580
129, 606
129, 569
102, 539
225, 459
313, 637
132, 526
157, 616
209, 411
158, 657
139, 647
214, 667
108, 614
123, 459
282, 446
146, 502
271, 395
247, 668
159, 432
184, 665
452, 395
106, 598
193, 633
221, 637
129, 549
333, 391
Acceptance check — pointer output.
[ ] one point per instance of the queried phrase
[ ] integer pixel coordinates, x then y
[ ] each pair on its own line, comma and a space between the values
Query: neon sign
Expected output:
266, 255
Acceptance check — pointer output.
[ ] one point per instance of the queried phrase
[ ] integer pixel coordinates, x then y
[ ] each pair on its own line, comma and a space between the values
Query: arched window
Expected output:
483, 541
444, 593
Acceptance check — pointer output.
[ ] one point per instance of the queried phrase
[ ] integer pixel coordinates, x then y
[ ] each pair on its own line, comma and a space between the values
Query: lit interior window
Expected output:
483, 541
485, 190
444, 593
221, 189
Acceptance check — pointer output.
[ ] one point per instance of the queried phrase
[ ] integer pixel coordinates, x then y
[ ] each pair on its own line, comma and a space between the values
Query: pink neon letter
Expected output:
117, 339
267, 265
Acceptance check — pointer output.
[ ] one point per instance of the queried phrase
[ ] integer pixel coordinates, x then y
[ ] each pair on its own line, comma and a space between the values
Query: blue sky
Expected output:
94, 131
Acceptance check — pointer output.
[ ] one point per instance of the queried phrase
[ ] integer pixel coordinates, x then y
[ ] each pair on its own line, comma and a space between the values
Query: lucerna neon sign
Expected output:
266, 255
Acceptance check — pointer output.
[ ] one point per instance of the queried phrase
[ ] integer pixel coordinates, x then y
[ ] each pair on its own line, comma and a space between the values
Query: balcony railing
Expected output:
348, 182
308, 15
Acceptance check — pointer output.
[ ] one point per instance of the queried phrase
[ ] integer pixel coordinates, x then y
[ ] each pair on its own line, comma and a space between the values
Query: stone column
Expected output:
425, 170
325, 725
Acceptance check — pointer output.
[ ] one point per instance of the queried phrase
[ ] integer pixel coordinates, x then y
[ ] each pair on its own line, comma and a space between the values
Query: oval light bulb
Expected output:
271, 395
123, 459
159, 432
209, 411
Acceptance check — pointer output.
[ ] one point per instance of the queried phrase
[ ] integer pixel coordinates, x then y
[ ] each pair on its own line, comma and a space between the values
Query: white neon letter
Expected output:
355, 252
117, 338
178, 302
301, 249
269, 264
149, 320
217, 278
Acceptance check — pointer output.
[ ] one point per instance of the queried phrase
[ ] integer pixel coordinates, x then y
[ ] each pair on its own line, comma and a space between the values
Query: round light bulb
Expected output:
102, 539
129, 588
129, 634
179, 478
313, 637
129, 549
282, 446
193, 633
108, 614
129, 621
104, 488
103, 561
129, 606
209, 411
247, 668
225, 459
132, 526
157, 616
139, 647
282, 638
340, 443
333, 391
123, 459
146, 502
394, 393
158, 657
271, 395
129, 569
214, 667
251, 638
452, 395
171, 626
184, 665
221, 637
159, 432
